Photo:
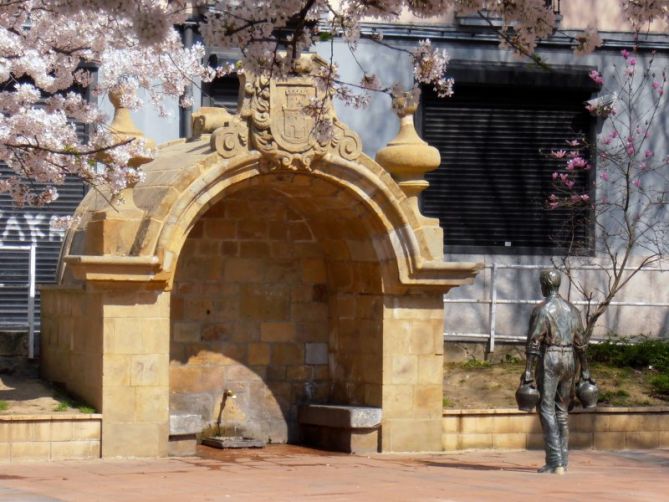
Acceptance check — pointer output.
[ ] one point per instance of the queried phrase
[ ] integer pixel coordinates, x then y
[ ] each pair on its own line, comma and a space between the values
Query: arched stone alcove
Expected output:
276, 297
257, 258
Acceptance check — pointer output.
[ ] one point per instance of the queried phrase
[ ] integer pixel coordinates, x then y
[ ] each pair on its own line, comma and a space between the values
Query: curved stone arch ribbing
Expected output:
374, 190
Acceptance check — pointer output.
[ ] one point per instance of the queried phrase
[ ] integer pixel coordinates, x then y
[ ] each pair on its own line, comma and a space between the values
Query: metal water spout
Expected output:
220, 441
228, 394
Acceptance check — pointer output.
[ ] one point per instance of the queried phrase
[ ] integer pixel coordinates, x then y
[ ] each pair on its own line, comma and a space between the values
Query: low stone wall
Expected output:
602, 428
40, 438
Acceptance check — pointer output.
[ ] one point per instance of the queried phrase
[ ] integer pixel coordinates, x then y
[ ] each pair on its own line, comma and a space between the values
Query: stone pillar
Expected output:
135, 377
412, 395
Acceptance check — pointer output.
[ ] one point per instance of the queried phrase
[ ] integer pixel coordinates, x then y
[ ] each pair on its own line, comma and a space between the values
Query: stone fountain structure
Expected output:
292, 269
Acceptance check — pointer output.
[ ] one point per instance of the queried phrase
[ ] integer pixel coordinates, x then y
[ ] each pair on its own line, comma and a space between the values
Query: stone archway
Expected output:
280, 302
137, 280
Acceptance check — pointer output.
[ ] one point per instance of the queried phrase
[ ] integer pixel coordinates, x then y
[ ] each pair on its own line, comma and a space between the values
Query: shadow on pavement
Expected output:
475, 467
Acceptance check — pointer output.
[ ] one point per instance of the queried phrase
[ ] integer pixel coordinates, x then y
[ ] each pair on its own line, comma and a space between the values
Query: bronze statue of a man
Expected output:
555, 337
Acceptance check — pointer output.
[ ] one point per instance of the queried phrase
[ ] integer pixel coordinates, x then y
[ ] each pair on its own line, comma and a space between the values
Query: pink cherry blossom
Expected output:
141, 58
430, 68
587, 41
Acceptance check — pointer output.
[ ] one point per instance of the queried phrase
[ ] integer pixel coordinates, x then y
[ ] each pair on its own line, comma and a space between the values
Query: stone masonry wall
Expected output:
413, 355
250, 314
42, 438
135, 385
601, 428
355, 341
71, 342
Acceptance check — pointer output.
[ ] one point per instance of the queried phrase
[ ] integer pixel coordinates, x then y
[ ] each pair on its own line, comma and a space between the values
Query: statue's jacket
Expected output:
555, 323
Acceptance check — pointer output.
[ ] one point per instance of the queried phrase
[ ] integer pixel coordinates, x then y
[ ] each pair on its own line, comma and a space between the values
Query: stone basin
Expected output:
224, 442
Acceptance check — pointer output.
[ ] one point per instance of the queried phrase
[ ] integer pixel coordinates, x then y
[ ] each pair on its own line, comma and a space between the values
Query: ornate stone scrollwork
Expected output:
347, 142
274, 119
231, 138
207, 119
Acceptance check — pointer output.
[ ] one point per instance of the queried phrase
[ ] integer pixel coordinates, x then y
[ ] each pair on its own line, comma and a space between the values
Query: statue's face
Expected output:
544, 289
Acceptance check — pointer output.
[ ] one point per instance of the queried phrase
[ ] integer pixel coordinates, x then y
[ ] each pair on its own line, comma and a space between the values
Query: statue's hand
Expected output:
527, 377
585, 375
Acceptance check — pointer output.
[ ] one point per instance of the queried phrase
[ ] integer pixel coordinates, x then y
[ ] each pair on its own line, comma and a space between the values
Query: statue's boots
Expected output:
551, 469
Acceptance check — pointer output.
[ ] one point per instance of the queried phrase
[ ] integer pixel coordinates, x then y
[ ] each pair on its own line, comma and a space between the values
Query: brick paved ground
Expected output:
282, 473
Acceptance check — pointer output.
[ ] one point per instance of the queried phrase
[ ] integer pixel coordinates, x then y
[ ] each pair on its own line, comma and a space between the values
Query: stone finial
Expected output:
123, 128
407, 157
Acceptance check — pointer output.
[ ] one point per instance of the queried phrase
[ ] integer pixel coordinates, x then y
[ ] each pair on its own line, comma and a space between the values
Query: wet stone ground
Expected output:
281, 473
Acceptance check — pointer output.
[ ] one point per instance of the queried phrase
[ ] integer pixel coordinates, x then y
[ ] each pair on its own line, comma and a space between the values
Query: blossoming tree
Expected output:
629, 213
49, 46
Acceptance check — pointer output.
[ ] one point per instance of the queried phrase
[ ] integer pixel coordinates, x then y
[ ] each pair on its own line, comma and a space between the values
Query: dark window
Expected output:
221, 92
491, 189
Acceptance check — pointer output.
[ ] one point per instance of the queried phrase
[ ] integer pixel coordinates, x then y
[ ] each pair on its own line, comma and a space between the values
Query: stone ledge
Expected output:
109, 268
340, 416
185, 423
50, 417
599, 410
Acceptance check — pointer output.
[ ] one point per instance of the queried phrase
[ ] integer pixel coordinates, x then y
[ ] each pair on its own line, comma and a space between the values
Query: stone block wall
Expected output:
603, 428
412, 373
71, 343
355, 341
343, 227
135, 372
110, 347
250, 314
40, 438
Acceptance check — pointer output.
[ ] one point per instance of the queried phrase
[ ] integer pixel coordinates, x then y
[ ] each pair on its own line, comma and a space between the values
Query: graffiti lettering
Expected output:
29, 227
12, 226
33, 222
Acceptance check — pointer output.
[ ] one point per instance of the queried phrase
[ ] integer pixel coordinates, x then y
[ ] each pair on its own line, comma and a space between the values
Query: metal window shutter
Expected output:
16, 230
222, 92
491, 188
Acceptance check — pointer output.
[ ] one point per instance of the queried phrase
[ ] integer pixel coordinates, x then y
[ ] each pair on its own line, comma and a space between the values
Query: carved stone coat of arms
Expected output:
284, 120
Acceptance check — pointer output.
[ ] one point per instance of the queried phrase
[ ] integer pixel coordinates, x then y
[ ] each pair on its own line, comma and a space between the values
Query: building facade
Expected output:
490, 191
